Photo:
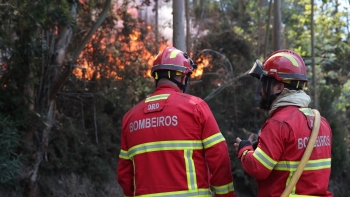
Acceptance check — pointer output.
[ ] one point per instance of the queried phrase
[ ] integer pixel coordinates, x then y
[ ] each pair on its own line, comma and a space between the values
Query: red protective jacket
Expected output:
171, 146
281, 144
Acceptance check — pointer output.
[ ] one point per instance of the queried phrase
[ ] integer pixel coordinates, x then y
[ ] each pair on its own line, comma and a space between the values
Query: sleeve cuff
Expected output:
244, 151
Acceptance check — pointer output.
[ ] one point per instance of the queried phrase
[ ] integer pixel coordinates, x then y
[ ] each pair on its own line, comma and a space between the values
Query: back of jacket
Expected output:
282, 143
171, 146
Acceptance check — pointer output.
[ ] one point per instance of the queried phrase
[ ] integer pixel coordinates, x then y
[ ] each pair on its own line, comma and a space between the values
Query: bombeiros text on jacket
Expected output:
323, 140
153, 122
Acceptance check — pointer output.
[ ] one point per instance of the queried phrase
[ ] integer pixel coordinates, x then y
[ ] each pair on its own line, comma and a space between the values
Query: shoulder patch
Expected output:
155, 103
310, 117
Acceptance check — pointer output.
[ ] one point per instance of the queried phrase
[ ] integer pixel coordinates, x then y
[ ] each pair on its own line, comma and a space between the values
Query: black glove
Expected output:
244, 143
255, 144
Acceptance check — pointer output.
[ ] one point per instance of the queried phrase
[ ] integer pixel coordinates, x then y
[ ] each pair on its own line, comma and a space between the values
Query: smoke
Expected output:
165, 17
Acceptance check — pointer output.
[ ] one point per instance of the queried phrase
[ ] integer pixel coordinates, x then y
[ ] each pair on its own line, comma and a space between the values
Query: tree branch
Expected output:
92, 31
79, 49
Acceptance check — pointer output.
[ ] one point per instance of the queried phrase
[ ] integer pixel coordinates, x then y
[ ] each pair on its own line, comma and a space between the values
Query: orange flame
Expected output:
133, 46
89, 71
202, 62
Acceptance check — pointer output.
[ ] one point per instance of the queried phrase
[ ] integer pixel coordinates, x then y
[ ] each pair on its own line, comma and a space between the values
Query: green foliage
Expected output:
332, 63
22, 48
336, 119
86, 137
340, 155
234, 107
10, 160
228, 58
332, 67
344, 102
74, 150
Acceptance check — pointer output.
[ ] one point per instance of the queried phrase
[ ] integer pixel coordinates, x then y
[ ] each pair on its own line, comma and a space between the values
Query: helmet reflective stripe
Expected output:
223, 189
197, 192
174, 53
168, 67
289, 57
190, 170
157, 97
287, 76
292, 77
264, 159
310, 165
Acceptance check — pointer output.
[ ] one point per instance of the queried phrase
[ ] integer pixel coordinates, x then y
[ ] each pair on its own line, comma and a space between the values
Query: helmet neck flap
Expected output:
167, 74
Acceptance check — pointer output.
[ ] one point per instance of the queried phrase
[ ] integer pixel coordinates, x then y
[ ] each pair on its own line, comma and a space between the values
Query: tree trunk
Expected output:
260, 30
179, 40
277, 38
313, 57
188, 28
156, 28
267, 30
46, 102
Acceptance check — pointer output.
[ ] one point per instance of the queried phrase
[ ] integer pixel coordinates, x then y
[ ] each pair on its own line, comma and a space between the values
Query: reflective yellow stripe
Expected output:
296, 195
224, 189
264, 159
291, 166
123, 154
174, 53
176, 145
307, 111
134, 179
289, 57
212, 140
165, 145
186, 193
190, 170
157, 97
288, 180
310, 165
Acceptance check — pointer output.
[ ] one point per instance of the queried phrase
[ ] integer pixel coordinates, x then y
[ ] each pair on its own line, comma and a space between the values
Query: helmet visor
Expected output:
256, 70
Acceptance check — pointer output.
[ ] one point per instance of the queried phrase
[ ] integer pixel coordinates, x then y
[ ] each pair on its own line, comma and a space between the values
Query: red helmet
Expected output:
172, 59
283, 65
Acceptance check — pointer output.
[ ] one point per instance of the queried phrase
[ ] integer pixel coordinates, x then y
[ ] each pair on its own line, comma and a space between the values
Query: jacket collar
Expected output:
166, 88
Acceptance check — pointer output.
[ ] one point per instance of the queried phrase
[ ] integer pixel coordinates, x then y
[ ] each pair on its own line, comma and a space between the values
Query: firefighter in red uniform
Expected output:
171, 145
284, 136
